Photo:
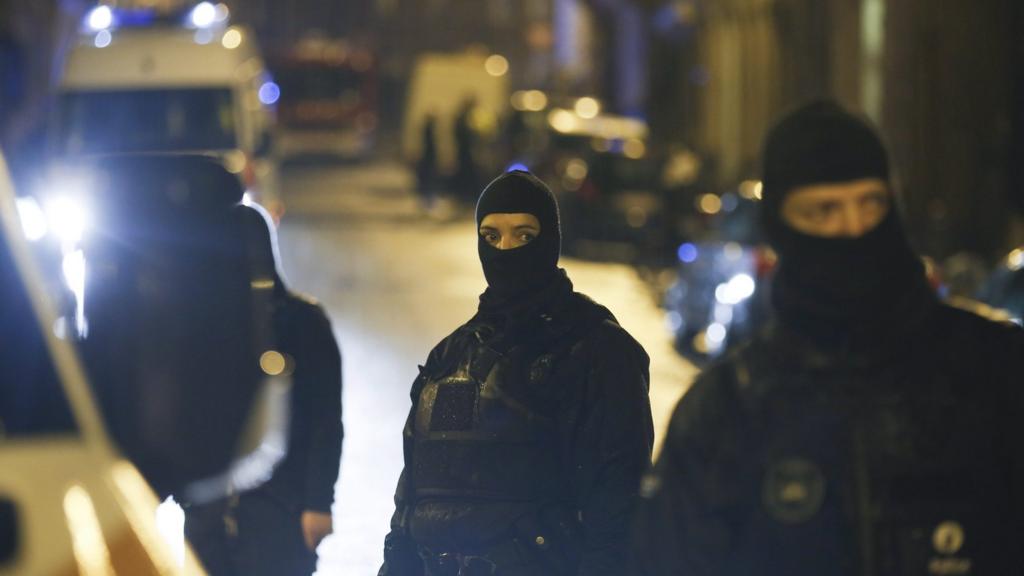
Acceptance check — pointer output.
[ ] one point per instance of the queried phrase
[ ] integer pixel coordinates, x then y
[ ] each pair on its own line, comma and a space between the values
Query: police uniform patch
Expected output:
948, 537
793, 490
948, 540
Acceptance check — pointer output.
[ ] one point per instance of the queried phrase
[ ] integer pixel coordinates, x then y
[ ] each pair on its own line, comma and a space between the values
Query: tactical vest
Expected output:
486, 427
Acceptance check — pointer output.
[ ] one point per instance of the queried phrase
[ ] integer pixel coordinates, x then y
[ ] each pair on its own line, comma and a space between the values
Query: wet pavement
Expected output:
395, 280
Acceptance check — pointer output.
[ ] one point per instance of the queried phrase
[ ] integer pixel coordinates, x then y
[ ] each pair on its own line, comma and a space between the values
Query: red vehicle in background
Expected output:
329, 100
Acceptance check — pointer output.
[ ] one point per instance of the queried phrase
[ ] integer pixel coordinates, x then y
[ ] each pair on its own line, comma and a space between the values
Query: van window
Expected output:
32, 400
99, 122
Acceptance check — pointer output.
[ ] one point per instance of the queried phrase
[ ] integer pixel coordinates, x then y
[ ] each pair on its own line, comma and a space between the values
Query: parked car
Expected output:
606, 182
1004, 289
719, 296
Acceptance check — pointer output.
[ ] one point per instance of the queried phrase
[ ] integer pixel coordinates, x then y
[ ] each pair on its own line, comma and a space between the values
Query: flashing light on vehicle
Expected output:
100, 18
737, 289
103, 39
33, 219
67, 218
587, 107
232, 39
687, 253
269, 93
203, 15
496, 65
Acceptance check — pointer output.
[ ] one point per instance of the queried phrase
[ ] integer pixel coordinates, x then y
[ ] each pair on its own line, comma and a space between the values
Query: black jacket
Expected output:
594, 388
790, 458
305, 478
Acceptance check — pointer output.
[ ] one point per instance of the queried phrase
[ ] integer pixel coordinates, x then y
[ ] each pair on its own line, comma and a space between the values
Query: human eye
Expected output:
880, 201
821, 212
527, 237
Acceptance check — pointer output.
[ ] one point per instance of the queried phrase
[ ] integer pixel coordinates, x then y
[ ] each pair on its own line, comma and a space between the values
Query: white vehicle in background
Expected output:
69, 502
144, 81
444, 84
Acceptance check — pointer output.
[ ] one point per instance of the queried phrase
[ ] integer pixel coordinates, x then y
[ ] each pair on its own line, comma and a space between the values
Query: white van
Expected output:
170, 88
441, 85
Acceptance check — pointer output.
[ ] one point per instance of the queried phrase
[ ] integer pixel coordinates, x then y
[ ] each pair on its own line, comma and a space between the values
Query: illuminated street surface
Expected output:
395, 282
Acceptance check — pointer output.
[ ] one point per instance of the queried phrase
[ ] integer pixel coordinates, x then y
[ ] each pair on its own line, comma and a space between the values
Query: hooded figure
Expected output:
274, 529
869, 429
530, 424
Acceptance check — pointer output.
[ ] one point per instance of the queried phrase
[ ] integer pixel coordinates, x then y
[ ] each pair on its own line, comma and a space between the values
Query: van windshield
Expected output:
105, 121
32, 400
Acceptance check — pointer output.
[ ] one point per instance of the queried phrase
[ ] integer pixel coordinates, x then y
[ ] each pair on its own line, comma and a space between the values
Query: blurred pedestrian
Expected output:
274, 530
869, 429
530, 424
466, 179
426, 167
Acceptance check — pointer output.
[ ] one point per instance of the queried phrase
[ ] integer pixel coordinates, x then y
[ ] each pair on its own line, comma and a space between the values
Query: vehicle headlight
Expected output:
67, 217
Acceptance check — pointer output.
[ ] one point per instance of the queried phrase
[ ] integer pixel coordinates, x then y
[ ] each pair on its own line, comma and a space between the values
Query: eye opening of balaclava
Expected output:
835, 281
818, 143
527, 268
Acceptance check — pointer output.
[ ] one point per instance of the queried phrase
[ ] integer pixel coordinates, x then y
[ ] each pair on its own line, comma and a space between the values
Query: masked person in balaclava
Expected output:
530, 424
868, 429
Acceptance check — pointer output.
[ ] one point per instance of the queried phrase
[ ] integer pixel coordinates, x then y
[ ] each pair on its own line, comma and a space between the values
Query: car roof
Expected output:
162, 57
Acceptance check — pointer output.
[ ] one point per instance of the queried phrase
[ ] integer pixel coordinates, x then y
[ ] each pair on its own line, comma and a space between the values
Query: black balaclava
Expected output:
516, 273
835, 289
